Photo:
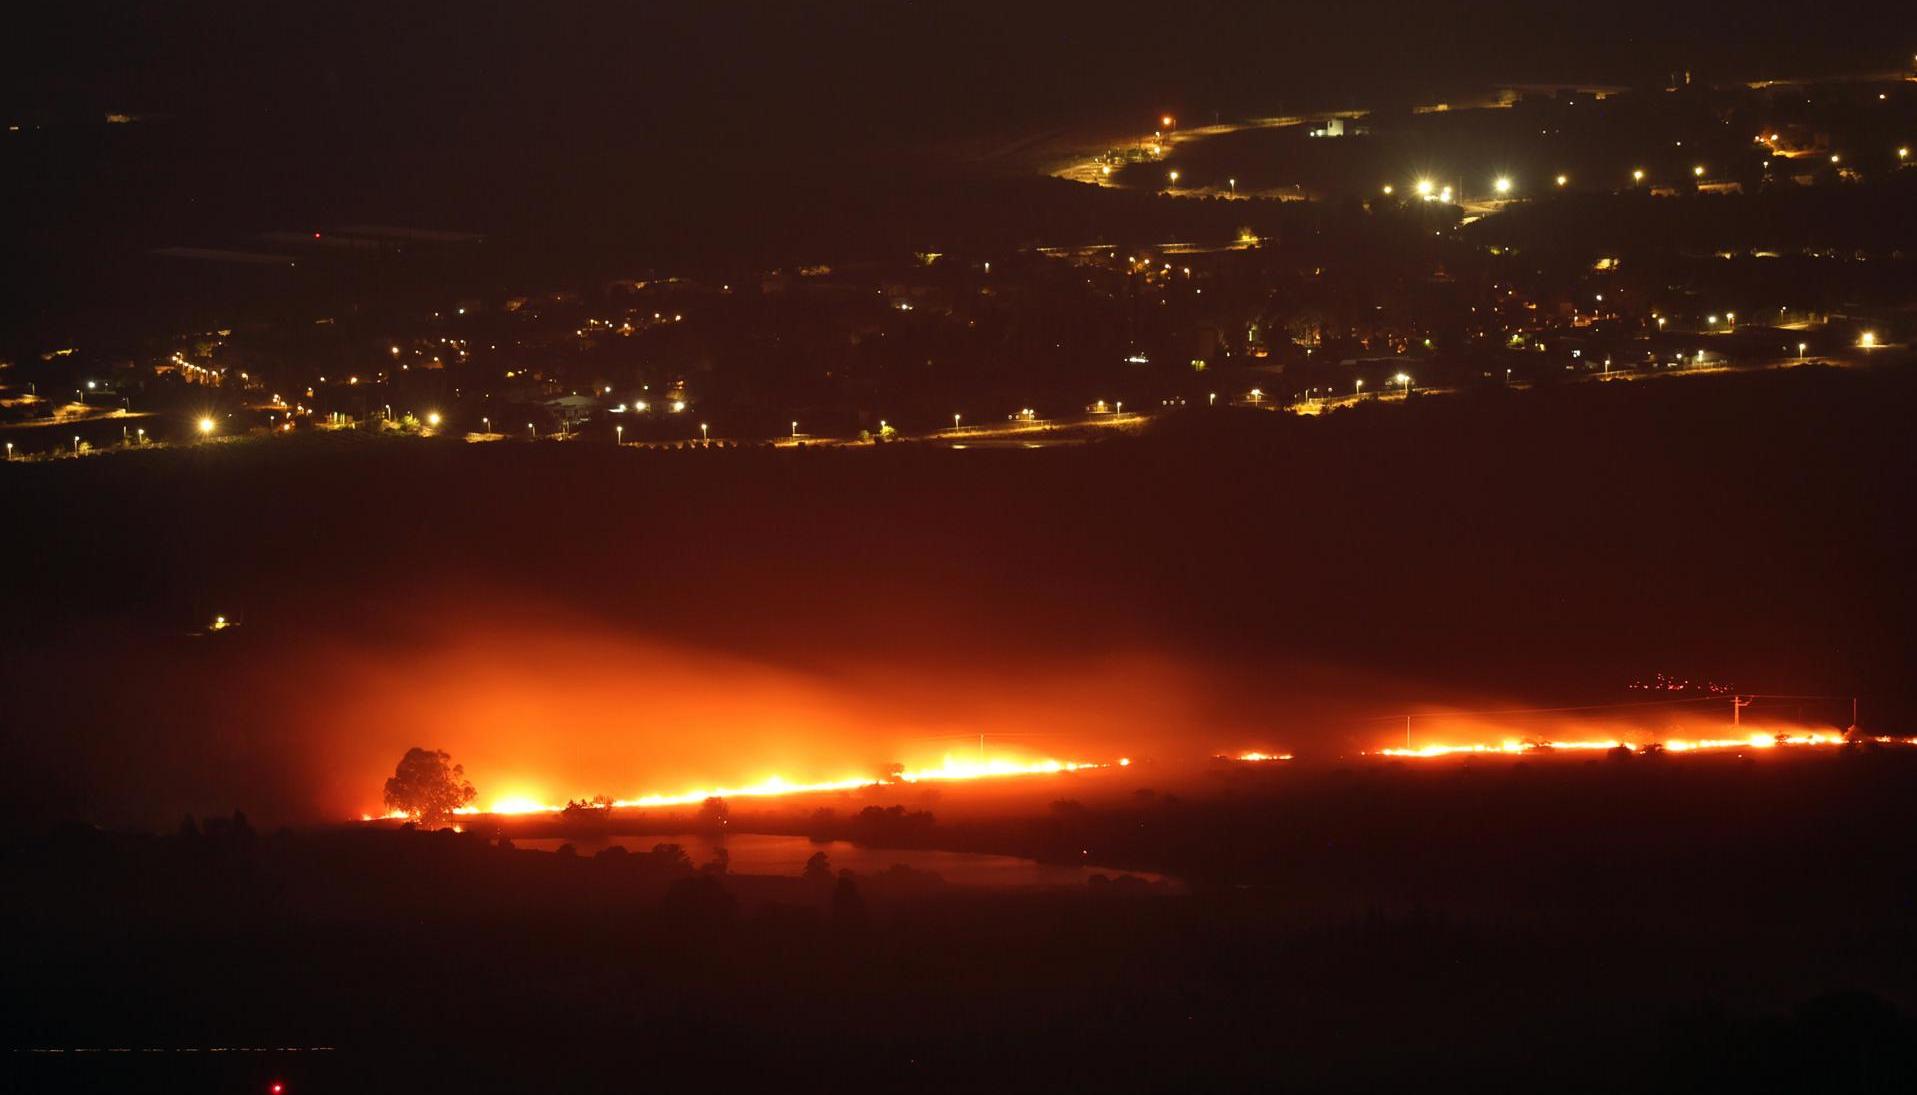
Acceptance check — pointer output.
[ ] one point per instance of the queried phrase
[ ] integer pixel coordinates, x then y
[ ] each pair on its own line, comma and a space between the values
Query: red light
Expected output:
277, 1089
316, 235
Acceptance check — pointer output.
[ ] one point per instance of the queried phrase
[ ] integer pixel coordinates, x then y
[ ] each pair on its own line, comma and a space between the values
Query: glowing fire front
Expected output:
956, 769
1511, 746
952, 768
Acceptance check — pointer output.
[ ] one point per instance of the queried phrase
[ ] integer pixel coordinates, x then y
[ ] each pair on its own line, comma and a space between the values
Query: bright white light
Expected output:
1503, 185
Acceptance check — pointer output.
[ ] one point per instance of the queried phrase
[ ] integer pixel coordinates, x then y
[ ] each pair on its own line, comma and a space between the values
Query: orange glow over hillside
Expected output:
952, 769
1513, 746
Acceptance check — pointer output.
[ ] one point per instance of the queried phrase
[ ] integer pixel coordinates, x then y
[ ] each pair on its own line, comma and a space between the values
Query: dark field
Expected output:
1683, 923
1675, 925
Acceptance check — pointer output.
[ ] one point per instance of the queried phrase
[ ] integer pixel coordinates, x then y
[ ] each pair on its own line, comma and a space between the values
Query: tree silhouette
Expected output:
714, 814
671, 857
428, 787
818, 868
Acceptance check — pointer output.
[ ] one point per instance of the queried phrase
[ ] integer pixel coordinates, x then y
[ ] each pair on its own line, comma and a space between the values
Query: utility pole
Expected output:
1738, 704
1407, 731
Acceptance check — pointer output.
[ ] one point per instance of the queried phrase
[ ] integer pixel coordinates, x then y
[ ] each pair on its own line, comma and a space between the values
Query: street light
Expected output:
432, 419
1234, 186
955, 421
1359, 387
704, 433
531, 433
1564, 180
1638, 175
1502, 185
1424, 188
1868, 340
1698, 171
795, 427
1405, 379
206, 425
618, 435
1173, 175
1801, 348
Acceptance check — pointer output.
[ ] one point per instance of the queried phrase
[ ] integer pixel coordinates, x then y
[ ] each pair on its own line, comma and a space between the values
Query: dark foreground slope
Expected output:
1687, 924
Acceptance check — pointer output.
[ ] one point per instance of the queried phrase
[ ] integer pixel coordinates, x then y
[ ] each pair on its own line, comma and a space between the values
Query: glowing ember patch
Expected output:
1260, 758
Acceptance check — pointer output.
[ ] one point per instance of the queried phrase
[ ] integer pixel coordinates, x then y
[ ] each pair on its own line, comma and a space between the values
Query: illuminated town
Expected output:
955, 547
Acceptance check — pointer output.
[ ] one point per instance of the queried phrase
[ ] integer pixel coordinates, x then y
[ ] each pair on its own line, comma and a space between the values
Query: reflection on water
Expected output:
753, 853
